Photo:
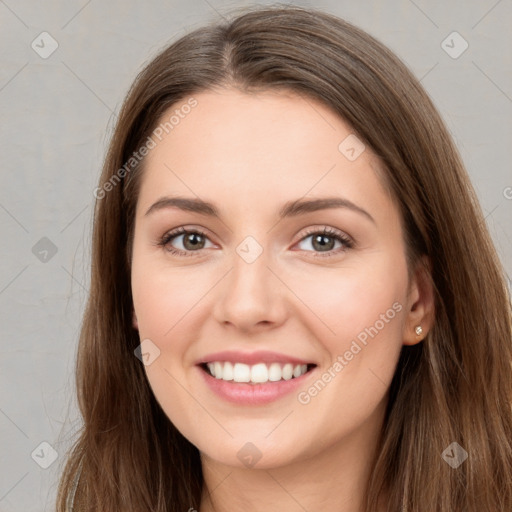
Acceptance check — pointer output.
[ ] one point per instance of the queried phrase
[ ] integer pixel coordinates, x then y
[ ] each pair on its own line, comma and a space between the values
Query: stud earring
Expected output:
418, 330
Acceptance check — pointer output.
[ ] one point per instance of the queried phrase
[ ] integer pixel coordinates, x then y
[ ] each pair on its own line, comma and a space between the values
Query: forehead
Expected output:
257, 148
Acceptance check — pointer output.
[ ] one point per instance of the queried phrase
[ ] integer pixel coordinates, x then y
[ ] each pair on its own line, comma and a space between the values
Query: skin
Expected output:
249, 154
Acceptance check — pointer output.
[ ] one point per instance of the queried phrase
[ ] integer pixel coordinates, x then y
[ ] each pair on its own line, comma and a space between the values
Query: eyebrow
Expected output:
289, 209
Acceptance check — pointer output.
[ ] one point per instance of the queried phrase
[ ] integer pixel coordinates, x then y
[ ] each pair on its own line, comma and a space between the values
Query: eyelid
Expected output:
180, 231
346, 240
323, 229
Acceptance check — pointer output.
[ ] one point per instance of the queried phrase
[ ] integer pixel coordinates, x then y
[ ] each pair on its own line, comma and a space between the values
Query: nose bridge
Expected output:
250, 276
251, 293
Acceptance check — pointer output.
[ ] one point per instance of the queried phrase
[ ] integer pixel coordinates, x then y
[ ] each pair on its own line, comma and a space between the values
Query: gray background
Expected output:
57, 114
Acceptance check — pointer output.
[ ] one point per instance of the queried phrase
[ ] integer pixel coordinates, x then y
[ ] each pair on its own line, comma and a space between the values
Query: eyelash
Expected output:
327, 231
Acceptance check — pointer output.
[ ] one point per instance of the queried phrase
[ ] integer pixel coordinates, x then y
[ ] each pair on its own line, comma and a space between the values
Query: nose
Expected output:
251, 297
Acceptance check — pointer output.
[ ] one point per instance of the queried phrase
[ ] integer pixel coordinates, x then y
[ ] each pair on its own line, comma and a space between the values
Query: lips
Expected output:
251, 393
252, 358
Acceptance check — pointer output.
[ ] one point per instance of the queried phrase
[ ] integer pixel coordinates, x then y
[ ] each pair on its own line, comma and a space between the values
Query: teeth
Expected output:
257, 373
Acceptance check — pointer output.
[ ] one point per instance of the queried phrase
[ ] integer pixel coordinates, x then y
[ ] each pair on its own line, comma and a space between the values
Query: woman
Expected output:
294, 302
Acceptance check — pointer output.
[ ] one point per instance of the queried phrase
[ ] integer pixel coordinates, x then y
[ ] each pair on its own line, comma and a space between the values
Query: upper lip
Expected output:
250, 358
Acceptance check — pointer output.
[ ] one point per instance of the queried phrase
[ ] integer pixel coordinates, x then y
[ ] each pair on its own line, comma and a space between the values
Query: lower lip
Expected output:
253, 394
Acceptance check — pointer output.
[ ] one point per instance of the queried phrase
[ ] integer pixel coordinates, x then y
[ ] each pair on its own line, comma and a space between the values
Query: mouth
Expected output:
259, 373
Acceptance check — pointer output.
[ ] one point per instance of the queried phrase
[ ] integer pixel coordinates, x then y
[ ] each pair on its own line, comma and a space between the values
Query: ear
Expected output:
134, 320
420, 305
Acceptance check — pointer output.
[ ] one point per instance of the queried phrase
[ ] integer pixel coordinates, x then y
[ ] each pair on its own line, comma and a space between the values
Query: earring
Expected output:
418, 330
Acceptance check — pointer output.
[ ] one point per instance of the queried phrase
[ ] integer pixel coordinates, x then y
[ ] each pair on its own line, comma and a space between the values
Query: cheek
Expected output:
173, 305
349, 300
162, 295
166, 305
359, 318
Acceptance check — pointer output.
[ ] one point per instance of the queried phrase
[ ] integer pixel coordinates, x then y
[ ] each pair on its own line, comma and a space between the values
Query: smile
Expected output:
256, 384
259, 373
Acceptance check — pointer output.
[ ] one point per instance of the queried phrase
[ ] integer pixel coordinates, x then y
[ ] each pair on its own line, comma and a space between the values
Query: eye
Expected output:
324, 242
192, 240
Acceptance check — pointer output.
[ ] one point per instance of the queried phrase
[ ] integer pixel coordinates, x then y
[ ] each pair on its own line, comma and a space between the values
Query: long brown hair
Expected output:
455, 386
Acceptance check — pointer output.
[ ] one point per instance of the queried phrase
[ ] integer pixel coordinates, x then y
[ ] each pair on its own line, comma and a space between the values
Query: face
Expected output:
277, 289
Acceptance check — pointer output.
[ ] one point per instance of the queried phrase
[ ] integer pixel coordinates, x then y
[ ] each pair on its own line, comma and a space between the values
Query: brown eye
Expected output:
325, 242
193, 241
187, 242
